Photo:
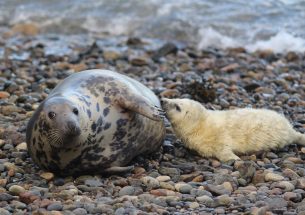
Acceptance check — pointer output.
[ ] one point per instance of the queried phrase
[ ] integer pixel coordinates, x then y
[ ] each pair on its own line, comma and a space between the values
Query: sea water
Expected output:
257, 24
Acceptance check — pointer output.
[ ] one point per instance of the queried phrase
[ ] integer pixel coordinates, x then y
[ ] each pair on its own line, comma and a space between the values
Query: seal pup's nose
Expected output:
164, 101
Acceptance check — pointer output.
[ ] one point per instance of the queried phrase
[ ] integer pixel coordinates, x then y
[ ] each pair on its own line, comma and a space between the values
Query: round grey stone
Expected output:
79, 211
5, 197
56, 206
119, 211
18, 205
206, 200
128, 190
4, 212
185, 188
93, 183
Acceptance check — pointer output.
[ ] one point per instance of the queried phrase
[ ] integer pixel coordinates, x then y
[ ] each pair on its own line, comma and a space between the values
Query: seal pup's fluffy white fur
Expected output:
221, 134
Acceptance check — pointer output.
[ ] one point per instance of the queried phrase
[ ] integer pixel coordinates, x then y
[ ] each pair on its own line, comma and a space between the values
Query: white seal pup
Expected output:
223, 134
95, 121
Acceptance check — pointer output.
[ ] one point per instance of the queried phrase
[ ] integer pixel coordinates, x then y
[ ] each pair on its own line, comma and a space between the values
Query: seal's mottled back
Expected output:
94, 121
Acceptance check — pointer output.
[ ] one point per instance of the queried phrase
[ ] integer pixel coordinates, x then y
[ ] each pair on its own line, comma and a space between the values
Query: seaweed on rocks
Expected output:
198, 88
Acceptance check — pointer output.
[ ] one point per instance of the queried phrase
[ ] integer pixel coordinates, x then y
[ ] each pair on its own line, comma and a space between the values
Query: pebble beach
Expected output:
173, 180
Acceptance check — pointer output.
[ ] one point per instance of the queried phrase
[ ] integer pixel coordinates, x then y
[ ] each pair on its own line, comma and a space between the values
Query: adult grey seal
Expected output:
94, 121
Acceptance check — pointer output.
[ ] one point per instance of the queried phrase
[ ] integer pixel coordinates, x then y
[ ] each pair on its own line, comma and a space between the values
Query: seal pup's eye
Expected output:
51, 115
75, 111
178, 108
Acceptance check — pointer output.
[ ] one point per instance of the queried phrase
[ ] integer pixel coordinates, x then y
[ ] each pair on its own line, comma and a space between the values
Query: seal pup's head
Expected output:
182, 111
60, 120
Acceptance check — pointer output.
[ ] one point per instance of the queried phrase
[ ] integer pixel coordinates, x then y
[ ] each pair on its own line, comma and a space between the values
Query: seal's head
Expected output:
60, 119
180, 111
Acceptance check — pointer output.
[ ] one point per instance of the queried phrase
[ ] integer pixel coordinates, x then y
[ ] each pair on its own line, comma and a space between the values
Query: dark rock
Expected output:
166, 49
6, 197
59, 181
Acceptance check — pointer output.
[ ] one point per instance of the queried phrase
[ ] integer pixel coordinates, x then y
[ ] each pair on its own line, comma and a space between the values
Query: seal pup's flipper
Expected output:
118, 169
141, 106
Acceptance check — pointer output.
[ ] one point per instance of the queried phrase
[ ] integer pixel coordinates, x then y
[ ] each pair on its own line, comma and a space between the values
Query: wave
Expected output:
271, 24
281, 42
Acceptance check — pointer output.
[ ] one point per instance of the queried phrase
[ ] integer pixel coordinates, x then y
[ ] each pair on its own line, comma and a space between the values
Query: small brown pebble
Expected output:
139, 170
28, 29
47, 175
27, 197
163, 192
45, 203
111, 55
22, 146
139, 61
273, 177
11, 172
216, 163
295, 160
229, 68
78, 67
169, 93
4, 95
301, 183
198, 178
3, 182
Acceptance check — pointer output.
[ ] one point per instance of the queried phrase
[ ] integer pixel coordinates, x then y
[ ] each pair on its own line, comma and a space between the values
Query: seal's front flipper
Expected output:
141, 106
118, 169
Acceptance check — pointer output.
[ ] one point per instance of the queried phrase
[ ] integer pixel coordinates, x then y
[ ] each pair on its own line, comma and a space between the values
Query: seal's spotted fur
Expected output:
117, 116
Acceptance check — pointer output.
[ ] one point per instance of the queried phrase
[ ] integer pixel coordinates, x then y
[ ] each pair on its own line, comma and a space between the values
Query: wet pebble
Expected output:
224, 200
128, 190
56, 206
150, 182
291, 196
4, 211
79, 211
93, 183
273, 177
206, 200
47, 175
183, 188
5, 197
16, 190
22, 146
163, 178
285, 185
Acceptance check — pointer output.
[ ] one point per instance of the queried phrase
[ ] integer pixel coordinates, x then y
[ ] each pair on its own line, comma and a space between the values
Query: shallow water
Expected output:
275, 24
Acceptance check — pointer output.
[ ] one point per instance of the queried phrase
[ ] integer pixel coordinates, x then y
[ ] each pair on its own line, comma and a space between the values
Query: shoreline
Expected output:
173, 180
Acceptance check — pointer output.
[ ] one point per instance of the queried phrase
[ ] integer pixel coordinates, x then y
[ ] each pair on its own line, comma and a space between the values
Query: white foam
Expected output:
166, 7
288, 2
119, 26
211, 38
280, 43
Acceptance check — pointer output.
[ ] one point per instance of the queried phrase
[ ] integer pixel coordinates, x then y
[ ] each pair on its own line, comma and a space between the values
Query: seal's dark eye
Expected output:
75, 111
178, 108
51, 115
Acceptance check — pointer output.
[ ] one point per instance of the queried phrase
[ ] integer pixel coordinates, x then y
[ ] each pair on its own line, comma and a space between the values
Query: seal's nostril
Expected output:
73, 128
